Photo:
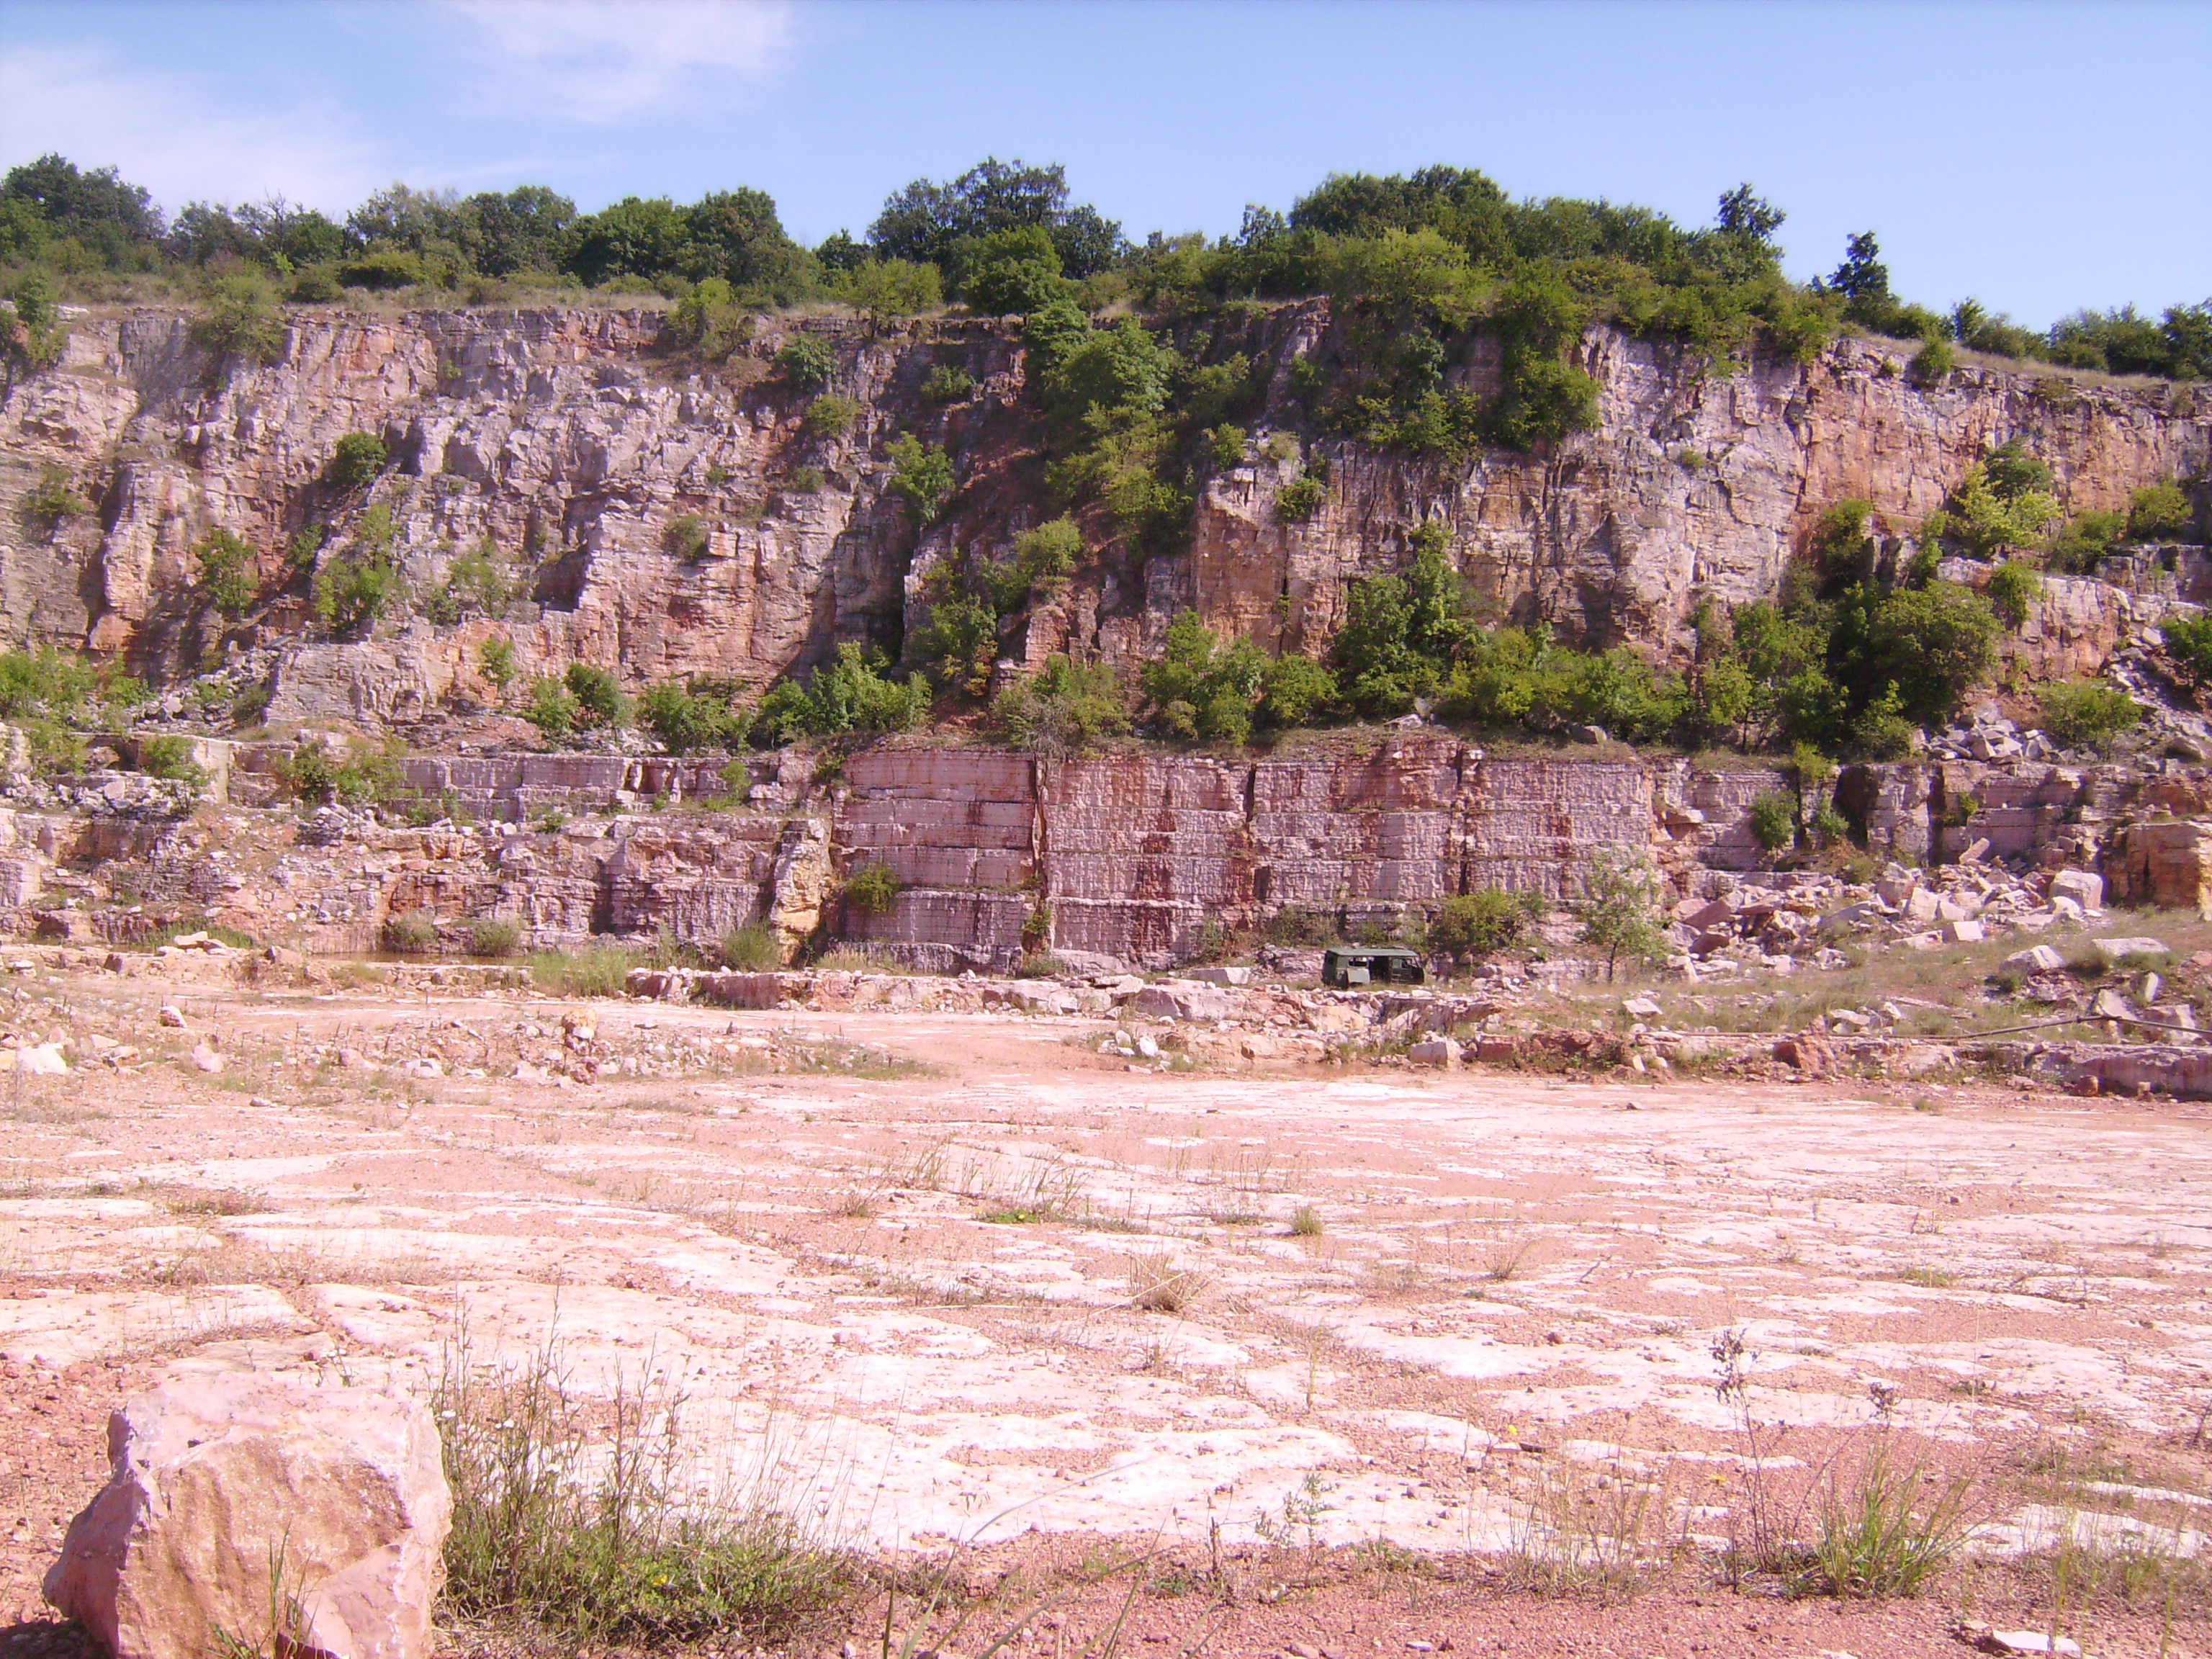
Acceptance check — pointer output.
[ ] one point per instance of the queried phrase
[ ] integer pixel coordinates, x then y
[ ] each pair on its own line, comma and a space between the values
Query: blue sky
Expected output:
2039, 157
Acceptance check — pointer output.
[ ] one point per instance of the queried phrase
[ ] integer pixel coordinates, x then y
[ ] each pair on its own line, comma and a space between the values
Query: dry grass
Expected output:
1158, 1285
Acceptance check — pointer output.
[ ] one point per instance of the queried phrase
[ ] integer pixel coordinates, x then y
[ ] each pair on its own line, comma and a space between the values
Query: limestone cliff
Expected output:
571, 441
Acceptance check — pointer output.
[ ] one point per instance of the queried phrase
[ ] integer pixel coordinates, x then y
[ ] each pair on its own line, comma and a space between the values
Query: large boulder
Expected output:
260, 1510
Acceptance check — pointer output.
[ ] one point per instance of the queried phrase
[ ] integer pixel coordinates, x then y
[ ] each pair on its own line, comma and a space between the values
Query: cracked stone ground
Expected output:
1011, 1296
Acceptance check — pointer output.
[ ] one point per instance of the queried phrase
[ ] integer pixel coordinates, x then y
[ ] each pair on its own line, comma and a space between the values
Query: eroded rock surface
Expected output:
249, 1507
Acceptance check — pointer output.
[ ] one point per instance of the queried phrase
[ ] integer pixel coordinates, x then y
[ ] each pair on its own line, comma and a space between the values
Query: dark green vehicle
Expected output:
1347, 965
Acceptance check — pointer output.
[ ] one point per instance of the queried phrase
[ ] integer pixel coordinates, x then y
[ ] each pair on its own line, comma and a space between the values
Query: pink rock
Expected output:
220, 1481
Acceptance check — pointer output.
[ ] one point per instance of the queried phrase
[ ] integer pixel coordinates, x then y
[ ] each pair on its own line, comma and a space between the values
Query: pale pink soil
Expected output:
1508, 1313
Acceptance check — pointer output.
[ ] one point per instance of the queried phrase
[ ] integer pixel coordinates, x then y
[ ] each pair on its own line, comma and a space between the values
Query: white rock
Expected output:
1642, 1008
2084, 887
1436, 1051
206, 1058
1963, 933
38, 1058
2134, 945
216, 1478
2037, 959
2028, 1641
173, 1017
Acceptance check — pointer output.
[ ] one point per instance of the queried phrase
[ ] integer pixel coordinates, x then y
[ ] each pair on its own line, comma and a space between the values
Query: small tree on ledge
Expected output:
1619, 907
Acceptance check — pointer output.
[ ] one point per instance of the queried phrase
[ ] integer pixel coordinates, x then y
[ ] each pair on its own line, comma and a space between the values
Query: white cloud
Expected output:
179, 136
607, 64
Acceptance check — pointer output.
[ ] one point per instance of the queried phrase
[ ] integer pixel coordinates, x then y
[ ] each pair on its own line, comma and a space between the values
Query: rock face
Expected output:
222, 1485
572, 444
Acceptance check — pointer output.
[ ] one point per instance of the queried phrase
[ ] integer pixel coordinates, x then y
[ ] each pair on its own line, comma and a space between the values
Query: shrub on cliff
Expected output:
600, 700
352, 591
1064, 708
2160, 511
1619, 907
1201, 689
853, 692
2085, 715
1773, 821
2188, 641
226, 572
552, 708
2013, 590
355, 461
872, 888
922, 476
1484, 923
692, 716
831, 416
238, 319
806, 361
52, 499
885, 289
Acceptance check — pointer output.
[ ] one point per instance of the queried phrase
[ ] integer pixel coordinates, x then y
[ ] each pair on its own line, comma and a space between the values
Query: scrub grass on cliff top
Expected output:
579, 1517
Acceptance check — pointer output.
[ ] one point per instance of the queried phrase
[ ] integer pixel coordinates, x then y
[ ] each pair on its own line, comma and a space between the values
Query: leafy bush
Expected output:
1047, 555
752, 948
1929, 643
851, 692
1300, 499
709, 323
1773, 820
552, 708
490, 937
1931, 363
495, 661
2087, 537
239, 320
2158, 512
314, 773
922, 476
1485, 922
170, 757
226, 572
411, 932
804, 480
1619, 907
599, 701
872, 888
2004, 500
351, 593
1064, 708
55, 750
688, 717
946, 384
476, 582
686, 537
383, 268
1200, 688
831, 416
53, 498
2013, 591
1294, 691
2085, 715
806, 361
885, 288
355, 461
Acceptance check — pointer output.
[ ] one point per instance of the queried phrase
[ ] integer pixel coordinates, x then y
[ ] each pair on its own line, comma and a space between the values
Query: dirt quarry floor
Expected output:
1321, 1361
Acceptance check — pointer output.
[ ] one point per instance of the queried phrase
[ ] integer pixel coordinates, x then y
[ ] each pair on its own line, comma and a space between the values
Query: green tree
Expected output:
1619, 907
357, 461
807, 361
238, 319
2013, 590
552, 708
600, 700
922, 476
2158, 512
1485, 922
495, 662
2084, 714
1064, 708
226, 572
